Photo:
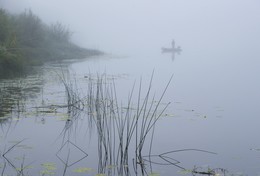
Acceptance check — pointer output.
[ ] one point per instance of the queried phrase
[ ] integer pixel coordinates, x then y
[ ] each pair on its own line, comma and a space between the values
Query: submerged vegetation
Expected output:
122, 130
125, 129
26, 41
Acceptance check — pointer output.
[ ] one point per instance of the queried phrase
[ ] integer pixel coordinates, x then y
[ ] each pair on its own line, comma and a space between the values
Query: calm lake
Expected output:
136, 110
79, 117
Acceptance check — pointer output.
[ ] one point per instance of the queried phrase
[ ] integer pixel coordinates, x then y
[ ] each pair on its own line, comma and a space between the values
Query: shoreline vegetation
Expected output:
26, 41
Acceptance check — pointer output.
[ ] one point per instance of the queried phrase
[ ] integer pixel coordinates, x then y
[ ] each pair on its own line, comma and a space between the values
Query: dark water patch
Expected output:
14, 93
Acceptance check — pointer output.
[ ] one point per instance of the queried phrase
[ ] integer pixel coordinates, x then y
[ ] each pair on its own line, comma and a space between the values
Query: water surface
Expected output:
213, 108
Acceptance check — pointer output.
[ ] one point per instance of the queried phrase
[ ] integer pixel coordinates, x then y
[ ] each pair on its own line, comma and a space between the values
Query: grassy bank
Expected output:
26, 41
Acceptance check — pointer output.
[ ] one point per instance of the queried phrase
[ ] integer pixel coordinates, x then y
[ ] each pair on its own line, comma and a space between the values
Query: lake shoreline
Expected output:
23, 70
26, 41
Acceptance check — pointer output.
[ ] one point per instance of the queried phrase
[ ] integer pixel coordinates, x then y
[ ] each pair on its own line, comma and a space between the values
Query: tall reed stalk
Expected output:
122, 131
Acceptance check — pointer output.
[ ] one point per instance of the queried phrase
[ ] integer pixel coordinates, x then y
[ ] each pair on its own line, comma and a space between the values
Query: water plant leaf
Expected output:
189, 110
169, 115
13, 142
154, 174
27, 167
18, 158
16, 119
65, 118
100, 174
24, 147
178, 102
46, 172
111, 166
129, 108
83, 170
30, 113
185, 172
49, 166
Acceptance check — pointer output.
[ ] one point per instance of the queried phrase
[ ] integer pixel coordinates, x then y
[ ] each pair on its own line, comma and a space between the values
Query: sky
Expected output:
121, 26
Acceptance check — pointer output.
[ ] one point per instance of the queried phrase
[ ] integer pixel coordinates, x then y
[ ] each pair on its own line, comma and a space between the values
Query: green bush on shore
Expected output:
26, 41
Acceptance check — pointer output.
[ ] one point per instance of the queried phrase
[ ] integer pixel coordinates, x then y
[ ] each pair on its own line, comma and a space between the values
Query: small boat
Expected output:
167, 50
172, 50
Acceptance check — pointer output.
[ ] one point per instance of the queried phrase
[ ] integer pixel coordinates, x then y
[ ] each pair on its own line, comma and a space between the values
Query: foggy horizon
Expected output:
145, 26
201, 91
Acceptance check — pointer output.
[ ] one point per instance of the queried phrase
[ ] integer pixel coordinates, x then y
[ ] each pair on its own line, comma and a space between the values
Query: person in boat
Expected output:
173, 44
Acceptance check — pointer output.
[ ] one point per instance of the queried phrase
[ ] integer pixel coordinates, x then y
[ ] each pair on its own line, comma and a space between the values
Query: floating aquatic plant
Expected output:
24, 168
46, 172
100, 174
83, 170
49, 166
154, 174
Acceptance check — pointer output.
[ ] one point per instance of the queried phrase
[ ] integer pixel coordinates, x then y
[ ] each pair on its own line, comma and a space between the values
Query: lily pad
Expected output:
49, 166
46, 172
65, 118
111, 166
169, 115
18, 158
83, 170
154, 174
27, 167
100, 174
185, 172
24, 147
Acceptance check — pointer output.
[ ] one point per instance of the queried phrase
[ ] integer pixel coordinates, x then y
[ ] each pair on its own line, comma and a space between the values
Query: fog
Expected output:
135, 26
219, 38
215, 88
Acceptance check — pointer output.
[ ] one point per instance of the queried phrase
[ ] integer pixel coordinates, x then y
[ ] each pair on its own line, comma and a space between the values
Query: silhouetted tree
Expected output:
4, 27
25, 41
60, 32
29, 29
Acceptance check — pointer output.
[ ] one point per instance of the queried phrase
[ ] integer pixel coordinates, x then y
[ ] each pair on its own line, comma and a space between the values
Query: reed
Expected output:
122, 130
74, 100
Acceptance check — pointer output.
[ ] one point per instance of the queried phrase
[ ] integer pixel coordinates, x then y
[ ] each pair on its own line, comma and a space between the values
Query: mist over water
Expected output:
144, 26
215, 87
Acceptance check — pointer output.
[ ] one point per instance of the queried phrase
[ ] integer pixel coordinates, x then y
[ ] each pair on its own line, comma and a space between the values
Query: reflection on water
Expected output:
14, 93
80, 123
124, 129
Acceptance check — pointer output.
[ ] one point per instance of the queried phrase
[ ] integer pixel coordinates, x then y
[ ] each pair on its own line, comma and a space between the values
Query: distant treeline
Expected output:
26, 41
